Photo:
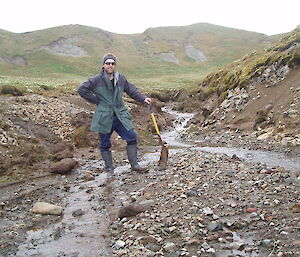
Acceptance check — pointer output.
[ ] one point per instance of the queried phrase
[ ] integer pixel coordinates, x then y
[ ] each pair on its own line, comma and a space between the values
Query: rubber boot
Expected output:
132, 157
107, 158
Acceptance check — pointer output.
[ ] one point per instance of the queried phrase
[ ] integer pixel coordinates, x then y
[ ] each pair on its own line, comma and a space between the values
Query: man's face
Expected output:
109, 66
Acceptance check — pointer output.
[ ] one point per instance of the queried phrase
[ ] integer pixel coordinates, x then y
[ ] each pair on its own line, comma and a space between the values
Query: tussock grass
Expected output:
241, 72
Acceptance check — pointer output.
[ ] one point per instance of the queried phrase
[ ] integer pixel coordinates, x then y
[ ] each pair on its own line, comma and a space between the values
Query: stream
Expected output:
86, 235
270, 159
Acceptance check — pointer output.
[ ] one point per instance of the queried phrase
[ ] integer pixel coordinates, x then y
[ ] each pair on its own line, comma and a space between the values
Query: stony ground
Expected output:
203, 204
210, 205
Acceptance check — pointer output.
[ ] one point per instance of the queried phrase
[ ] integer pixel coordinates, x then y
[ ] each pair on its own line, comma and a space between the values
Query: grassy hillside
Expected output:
241, 73
74, 52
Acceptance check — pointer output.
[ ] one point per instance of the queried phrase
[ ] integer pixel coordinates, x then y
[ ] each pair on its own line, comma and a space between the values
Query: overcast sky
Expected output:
135, 16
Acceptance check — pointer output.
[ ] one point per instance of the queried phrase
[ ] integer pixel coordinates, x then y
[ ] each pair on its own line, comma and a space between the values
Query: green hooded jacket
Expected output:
108, 97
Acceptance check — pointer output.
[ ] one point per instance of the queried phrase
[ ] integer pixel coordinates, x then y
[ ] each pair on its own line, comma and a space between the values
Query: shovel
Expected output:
164, 149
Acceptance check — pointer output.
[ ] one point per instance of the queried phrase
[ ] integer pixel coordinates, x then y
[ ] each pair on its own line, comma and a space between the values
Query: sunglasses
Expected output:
110, 63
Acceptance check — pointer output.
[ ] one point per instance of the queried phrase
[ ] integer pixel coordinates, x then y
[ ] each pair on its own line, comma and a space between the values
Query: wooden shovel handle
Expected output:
155, 124
153, 119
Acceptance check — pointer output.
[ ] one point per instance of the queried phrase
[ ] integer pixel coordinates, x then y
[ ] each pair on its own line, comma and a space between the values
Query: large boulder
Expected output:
66, 153
63, 166
47, 208
62, 146
132, 210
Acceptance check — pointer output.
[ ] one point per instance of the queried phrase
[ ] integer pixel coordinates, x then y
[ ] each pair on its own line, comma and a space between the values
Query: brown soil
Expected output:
281, 97
34, 124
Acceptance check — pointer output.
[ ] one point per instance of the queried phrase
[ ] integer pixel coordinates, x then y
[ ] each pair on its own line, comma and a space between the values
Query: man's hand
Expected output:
148, 100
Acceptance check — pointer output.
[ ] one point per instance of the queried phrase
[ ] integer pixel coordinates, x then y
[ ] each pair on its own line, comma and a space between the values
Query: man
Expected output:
106, 90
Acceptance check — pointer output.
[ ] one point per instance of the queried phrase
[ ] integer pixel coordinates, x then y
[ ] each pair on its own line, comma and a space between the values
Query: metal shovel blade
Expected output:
164, 153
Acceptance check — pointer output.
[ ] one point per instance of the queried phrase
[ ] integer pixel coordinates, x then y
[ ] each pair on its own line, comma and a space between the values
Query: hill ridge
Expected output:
191, 51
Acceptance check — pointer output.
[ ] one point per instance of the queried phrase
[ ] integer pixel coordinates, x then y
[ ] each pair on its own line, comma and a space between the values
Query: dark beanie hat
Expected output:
109, 56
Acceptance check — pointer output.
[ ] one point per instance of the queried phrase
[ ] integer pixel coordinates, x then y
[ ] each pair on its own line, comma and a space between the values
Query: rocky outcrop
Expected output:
65, 47
17, 60
169, 57
194, 53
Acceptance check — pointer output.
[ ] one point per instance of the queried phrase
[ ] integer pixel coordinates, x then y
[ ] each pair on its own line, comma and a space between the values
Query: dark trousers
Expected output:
129, 136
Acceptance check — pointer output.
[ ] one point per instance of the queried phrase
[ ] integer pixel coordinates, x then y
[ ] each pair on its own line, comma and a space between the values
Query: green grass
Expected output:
240, 73
37, 85
149, 84
168, 82
158, 76
137, 56
137, 59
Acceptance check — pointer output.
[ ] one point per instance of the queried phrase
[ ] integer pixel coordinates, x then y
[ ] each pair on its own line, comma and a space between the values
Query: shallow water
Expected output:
270, 159
74, 236
172, 136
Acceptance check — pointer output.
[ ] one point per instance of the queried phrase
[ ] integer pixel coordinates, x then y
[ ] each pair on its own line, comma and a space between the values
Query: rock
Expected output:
47, 208
148, 239
174, 254
295, 208
62, 147
235, 158
191, 193
77, 213
66, 153
2, 204
63, 166
121, 252
207, 211
213, 226
236, 224
57, 233
119, 244
287, 141
240, 246
205, 246
153, 247
88, 175
169, 247
193, 241
266, 242
230, 172
297, 243
291, 180
171, 229
215, 217
132, 210
211, 250
269, 107
284, 233
265, 135
291, 113
213, 237
147, 202
264, 171
251, 209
